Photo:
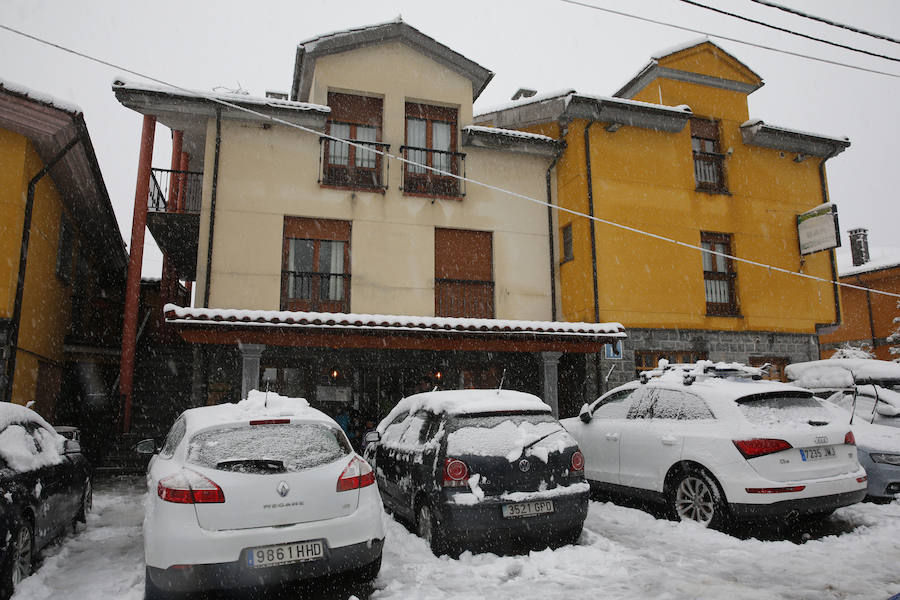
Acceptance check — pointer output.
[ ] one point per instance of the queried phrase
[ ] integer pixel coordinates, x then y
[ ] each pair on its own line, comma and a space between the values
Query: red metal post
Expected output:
133, 281
175, 181
182, 189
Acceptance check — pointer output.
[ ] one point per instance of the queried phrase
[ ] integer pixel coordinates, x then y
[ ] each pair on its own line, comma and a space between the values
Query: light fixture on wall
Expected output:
335, 373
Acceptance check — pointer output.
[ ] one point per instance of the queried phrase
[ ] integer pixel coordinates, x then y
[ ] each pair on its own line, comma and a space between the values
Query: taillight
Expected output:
189, 487
270, 422
849, 439
578, 461
358, 474
760, 447
456, 473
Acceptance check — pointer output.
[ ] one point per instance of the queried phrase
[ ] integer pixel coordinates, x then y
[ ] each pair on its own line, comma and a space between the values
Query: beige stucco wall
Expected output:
265, 174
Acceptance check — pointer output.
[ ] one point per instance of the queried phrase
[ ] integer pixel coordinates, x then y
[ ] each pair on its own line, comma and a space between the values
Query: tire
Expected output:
428, 528
696, 496
21, 557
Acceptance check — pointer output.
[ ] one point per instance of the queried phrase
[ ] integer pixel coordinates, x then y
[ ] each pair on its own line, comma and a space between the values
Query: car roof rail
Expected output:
706, 369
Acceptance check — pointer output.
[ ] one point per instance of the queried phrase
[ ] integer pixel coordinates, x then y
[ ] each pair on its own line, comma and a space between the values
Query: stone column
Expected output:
250, 368
550, 372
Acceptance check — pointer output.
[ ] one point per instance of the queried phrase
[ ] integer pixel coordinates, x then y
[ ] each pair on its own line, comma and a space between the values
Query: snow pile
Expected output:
39, 97
842, 372
258, 405
21, 450
461, 402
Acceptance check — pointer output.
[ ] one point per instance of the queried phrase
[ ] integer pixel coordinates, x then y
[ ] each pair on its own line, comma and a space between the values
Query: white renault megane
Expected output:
263, 491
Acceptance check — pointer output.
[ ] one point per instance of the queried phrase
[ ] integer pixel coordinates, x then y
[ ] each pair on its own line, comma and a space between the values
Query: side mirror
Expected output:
71, 447
372, 437
585, 413
147, 446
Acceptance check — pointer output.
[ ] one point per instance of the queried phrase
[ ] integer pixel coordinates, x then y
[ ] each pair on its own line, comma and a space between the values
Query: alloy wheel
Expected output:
424, 524
694, 500
23, 555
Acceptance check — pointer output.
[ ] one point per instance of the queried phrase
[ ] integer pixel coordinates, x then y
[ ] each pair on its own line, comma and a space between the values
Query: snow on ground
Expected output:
623, 553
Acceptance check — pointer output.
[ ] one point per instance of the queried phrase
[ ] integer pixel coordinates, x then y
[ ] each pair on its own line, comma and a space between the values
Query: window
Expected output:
718, 275
176, 434
431, 142
463, 273
358, 119
567, 252
646, 360
615, 406
613, 351
315, 265
65, 249
709, 162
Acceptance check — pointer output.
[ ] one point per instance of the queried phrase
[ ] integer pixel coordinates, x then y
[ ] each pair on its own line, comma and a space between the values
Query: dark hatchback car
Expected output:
480, 468
45, 487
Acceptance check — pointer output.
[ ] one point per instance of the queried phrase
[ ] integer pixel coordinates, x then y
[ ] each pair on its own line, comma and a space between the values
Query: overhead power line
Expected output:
475, 182
785, 30
730, 39
800, 13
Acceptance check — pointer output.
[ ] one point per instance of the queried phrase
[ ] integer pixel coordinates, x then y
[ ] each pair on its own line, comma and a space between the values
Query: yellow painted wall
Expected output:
46, 301
266, 174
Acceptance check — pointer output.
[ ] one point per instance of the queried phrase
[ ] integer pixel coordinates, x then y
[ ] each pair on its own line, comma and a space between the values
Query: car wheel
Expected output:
428, 528
21, 556
695, 496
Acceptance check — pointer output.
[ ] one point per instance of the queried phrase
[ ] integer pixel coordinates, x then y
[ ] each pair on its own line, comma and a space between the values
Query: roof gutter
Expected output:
212, 208
23, 262
823, 328
550, 237
590, 199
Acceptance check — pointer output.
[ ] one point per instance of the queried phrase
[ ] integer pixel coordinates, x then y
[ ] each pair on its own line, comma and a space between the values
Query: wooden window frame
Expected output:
430, 183
354, 111
729, 275
710, 157
317, 231
566, 239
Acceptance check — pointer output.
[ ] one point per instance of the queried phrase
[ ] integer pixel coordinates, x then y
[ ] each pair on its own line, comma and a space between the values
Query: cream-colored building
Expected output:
279, 222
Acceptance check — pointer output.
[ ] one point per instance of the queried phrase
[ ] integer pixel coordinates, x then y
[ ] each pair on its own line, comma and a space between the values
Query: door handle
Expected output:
613, 437
669, 440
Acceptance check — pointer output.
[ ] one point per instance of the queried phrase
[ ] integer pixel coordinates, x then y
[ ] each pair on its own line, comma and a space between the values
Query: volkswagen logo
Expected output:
283, 489
524, 465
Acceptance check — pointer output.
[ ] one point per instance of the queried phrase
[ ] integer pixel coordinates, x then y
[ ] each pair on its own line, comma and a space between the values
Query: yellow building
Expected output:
62, 261
675, 154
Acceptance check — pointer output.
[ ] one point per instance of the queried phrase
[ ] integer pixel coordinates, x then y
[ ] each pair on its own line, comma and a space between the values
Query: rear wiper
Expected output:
252, 465
529, 445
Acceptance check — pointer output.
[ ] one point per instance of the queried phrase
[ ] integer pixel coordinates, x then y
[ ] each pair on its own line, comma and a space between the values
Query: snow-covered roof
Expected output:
258, 405
509, 132
524, 101
758, 133
842, 372
240, 99
680, 109
462, 402
679, 47
262, 318
40, 97
880, 257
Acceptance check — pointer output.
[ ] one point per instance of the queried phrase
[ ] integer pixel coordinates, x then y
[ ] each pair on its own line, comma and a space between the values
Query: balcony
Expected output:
316, 292
464, 298
173, 216
709, 171
419, 180
348, 167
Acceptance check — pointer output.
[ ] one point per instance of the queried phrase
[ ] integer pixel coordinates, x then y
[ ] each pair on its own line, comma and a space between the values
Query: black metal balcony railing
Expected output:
417, 179
343, 165
464, 298
319, 292
175, 191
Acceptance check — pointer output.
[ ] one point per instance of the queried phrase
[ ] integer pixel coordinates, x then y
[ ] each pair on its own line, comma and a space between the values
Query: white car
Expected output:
263, 491
717, 445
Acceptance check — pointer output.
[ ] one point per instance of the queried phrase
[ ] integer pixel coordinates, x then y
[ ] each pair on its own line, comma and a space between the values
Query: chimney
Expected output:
859, 246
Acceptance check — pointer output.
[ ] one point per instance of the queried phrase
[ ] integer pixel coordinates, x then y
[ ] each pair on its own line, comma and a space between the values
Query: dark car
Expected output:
45, 487
475, 468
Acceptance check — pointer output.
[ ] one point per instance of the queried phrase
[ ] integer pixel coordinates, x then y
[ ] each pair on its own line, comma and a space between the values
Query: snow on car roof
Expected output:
723, 386
462, 402
258, 405
16, 413
842, 372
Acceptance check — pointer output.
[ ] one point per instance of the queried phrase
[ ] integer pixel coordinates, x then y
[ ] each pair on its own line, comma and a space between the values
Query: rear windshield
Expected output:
273, 448
781, 409
506, 435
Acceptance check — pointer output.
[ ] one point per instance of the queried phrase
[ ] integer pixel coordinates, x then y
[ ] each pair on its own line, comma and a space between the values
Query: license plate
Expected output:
281, 554
527, 509
817, 453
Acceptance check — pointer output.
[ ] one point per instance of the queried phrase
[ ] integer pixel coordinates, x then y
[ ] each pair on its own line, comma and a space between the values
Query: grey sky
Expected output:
543, 44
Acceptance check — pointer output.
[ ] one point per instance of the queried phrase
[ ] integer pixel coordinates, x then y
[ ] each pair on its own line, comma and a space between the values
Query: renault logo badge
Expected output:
283, 489
524, 465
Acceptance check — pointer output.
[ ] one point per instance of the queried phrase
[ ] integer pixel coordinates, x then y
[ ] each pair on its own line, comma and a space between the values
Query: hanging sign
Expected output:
818, 229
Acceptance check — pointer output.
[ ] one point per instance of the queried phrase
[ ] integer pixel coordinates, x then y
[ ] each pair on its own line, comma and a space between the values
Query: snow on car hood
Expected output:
841, 372
876, 437
509, 439
18, 450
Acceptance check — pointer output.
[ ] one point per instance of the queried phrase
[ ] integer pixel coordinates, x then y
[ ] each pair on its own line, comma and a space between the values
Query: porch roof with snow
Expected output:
398, 332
